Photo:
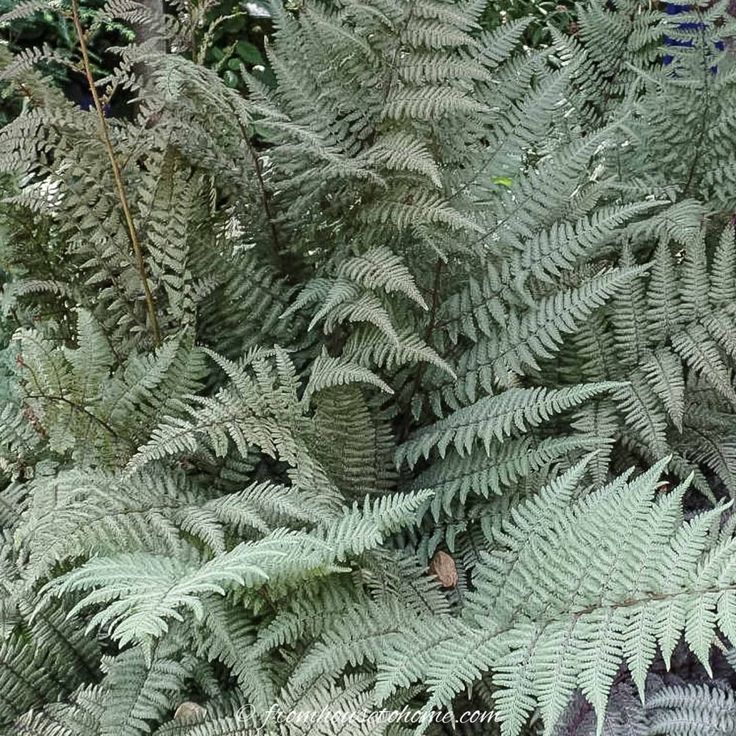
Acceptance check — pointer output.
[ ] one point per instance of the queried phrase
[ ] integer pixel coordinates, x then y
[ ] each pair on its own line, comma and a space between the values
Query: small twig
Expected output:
119, 186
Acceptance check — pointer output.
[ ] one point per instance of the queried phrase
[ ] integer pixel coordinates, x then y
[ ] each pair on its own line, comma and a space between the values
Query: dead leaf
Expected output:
188, 711
444, 569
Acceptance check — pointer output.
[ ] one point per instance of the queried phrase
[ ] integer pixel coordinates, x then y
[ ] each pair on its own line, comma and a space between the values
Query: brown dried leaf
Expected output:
444, 569
189, 711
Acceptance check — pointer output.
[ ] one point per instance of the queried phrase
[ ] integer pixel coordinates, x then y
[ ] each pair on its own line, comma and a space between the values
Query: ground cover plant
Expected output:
398, 374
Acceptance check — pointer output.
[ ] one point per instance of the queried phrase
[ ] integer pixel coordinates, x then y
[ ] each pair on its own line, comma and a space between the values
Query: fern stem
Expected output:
391, 78
705, 112
76, 407
433, 309
117, 175
264, 195
265, 201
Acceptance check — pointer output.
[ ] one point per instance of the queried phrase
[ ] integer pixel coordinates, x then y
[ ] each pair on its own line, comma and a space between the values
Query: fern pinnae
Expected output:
495, 417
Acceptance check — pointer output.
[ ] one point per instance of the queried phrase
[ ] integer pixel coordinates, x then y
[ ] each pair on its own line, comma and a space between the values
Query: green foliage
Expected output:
542, 14
347, 382
601, 605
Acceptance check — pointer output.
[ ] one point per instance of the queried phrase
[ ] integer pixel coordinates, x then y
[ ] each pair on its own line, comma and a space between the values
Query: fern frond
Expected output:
495, 417
604, 607
138, 605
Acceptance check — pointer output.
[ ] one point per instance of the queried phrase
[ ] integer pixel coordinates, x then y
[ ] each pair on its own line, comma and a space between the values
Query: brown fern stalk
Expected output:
117, 175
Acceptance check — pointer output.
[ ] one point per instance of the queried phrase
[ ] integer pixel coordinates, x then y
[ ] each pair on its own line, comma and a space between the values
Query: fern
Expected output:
344, 380
600, 607
494, 418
